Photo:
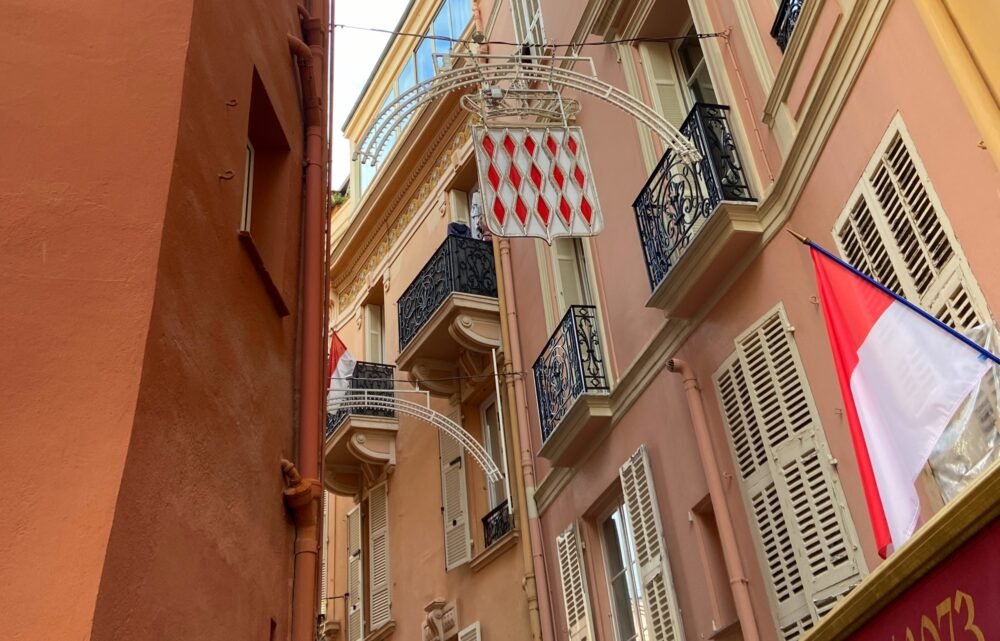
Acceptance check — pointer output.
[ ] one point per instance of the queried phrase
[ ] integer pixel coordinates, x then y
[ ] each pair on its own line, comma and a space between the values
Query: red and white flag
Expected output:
903, 377
341, 370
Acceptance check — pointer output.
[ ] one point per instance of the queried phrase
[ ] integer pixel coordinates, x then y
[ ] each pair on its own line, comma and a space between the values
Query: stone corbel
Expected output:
428, 374
373, 448
476, 330
441, 622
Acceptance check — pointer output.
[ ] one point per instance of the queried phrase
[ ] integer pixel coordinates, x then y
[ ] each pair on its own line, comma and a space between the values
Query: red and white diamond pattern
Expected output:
536, 181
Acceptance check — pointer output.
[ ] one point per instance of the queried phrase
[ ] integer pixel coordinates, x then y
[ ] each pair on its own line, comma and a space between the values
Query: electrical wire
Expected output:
696, 36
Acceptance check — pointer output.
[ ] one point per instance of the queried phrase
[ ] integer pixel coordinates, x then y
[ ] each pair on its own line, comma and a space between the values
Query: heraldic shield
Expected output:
536, 181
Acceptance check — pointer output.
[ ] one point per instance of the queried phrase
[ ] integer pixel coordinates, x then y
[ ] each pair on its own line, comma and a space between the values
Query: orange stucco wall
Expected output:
149, 386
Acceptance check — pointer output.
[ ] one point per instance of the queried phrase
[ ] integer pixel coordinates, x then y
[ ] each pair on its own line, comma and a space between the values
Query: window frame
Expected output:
630, 570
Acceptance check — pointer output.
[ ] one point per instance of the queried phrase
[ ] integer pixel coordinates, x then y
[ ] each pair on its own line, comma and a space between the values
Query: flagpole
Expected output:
985, 353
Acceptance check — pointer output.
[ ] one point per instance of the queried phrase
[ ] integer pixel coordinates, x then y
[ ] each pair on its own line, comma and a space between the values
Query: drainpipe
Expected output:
720, 507
535, 579
303, 489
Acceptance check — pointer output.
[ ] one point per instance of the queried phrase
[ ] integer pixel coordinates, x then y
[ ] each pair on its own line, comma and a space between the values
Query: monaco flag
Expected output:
903, 375
341, 370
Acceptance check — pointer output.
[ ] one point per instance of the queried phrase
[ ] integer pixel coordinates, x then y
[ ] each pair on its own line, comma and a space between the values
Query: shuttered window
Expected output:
574, 585
663, 80
570, 273
374, 334
355, 578
470, 633
324, 575
378, 556
805, 539
895, 231
660, 611
454, 503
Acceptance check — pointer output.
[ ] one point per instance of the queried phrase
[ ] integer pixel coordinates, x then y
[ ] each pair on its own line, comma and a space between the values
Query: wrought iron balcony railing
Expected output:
460, 264
367, 377
570, 365
680, 196
498, 522
784, 21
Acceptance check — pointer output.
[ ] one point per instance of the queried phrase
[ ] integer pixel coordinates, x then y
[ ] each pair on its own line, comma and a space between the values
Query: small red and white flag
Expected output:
341, 370
903, 375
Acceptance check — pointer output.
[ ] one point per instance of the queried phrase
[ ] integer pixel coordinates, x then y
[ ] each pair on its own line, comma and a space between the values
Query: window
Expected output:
623, 576
492, 438
664, 81
805, 539
571, 275
247, 188
454, 503
374, 334
528, 22
698, 81
451, 21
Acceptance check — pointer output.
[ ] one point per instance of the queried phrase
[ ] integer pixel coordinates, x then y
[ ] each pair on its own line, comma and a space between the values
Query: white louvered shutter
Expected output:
374, 337
470, 633
571, 286
664, 83
378, 555
576, 598
805, 539
895, 231
454, 503
355, 578
661, 611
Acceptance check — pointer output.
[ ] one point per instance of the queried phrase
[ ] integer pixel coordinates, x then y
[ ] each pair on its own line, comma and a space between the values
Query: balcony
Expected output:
571, 385
496, 524
361, 440
449, 316
784, 21
696, 219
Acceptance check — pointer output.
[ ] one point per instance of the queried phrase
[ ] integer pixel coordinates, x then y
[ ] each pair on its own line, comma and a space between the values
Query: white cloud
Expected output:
355, 54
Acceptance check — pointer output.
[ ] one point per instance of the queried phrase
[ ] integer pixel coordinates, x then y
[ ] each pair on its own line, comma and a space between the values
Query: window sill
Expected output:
792, 59
727, 631
492, 553
383, 632
258, 263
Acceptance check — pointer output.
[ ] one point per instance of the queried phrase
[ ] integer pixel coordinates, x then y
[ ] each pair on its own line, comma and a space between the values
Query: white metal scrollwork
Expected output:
381, 399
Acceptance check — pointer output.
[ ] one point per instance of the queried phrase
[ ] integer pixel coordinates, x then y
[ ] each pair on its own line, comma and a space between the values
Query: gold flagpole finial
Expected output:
802, 239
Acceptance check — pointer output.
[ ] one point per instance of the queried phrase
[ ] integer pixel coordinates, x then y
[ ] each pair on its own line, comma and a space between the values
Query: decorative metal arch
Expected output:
492, 72
379, 399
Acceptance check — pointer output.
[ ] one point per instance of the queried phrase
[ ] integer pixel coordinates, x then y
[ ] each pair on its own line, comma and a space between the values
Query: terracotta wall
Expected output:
88, 127
150, 388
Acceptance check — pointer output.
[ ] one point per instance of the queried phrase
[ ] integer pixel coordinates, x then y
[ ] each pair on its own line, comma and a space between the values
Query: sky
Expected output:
354, 56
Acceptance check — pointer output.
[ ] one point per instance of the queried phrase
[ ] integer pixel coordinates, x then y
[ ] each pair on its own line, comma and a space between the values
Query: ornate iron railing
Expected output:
367, 377
498, 522
570, 365
784, 21
459, 265
680, 196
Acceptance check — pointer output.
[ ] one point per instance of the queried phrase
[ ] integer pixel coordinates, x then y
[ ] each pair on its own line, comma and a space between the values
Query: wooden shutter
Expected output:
355, 578
661, 611
806, 543
664, 82
471, 633
378, 554
374, 342
895, 231
574, 584
571, 284
454, 502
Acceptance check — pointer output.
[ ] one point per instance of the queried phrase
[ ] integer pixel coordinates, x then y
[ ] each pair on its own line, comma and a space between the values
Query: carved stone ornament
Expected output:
441, 621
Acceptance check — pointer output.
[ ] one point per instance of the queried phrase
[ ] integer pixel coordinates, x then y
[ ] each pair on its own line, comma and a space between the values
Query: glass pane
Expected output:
408, 77
367, 173
425, 64
623, 597
442, 27
701, 86
461, 14
611, 542
623, 608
